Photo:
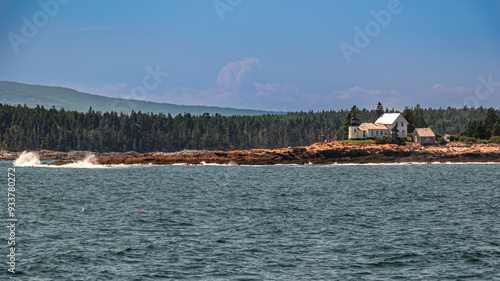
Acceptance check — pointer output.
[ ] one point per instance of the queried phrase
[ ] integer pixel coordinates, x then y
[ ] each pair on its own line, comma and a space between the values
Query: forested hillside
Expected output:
32, 95
24, 128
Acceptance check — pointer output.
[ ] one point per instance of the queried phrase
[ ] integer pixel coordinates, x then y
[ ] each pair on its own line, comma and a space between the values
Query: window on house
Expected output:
402, 124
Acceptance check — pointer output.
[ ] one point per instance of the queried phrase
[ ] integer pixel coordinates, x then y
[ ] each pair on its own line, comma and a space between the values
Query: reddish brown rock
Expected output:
60, 162
318, 153
326, 153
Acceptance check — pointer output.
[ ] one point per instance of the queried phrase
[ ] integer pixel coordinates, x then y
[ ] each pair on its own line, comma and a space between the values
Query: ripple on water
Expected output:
342, 222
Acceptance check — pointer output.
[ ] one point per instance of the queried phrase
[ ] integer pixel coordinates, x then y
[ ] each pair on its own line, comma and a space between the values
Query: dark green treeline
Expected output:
24, 128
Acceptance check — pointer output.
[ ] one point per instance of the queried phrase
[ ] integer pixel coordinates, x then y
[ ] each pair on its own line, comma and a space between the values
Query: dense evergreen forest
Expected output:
23, 128
484, 129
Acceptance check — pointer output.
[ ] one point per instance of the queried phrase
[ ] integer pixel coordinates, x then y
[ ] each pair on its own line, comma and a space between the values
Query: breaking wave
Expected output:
31, 159
90, 161
27, 159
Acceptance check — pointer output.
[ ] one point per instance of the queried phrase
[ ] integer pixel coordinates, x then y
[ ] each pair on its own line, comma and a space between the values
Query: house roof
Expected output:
424, 132
388, 118
371, 126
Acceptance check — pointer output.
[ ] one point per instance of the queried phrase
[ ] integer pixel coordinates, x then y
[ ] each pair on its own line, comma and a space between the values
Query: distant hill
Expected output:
13, 93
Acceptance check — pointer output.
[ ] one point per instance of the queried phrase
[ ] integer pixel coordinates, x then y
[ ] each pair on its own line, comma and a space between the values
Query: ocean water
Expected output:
312, 222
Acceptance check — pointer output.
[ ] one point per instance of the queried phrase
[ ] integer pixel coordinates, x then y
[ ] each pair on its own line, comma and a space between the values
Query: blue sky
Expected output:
272, 55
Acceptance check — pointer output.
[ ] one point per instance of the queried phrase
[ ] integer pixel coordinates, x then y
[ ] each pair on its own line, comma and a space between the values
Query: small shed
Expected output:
423, 136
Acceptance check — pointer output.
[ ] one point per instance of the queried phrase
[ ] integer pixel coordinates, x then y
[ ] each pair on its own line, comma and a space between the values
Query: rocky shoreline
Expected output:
319, 153
50, 155
326, 153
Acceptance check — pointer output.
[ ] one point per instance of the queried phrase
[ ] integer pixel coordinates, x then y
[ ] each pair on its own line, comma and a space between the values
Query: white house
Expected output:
382, 127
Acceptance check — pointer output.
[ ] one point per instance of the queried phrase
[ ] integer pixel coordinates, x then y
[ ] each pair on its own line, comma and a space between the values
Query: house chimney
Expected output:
373, 120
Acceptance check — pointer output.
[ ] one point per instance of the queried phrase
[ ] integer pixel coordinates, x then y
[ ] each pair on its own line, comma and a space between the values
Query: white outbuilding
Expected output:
382, 127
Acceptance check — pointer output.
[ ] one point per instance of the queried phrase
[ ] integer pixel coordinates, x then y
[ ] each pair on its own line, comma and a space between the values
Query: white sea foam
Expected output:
412, 163
31, 159
90, 162
464, 163
203, 163
378, 164
27, 159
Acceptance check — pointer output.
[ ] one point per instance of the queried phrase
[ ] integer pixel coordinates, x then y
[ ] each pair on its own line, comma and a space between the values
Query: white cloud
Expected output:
237, 85
440, 95
440, 89
357, 95
282, 92
233, 74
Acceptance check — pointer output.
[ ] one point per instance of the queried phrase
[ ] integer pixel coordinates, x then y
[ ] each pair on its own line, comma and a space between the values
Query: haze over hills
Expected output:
14, 93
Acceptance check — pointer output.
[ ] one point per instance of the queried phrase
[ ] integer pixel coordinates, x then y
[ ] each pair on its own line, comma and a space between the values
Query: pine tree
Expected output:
496, 129
49, 128
490, 121
408, 115
395, 131
418, 118
379, 111
480, 131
